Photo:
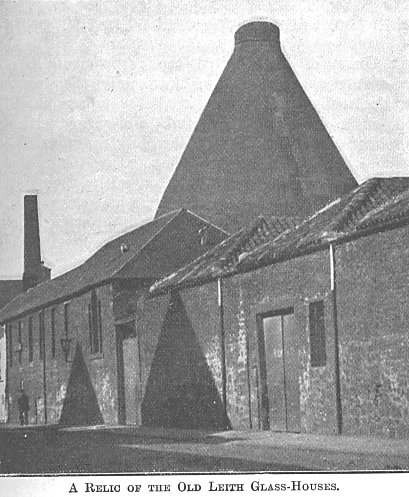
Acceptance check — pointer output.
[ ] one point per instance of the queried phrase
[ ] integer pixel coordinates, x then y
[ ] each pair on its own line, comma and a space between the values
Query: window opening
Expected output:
317, 334
41, 335
20, 344
10, 345
53, 333
30, 339
95, 324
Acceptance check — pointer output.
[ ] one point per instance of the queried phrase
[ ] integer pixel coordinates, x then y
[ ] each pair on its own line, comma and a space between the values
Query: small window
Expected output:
20, 344
41, 342
10, 345
30, 339
317, 334
53, 333
95, 324
66, 318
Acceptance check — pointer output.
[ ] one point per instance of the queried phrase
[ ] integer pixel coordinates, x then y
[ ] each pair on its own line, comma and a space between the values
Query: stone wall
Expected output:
373, 303
373, 316
182, 375
181, 352
89, 375
291, 284
294, 283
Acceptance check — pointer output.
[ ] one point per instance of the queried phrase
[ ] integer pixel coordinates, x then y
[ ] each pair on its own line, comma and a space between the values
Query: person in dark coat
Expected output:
23, 408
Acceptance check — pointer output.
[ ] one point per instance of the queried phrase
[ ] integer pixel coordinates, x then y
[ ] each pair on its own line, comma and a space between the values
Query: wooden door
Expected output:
279, 361
128, 374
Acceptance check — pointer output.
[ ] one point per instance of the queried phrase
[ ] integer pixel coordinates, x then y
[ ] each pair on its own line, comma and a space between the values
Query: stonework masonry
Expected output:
101, 368
183, 361
373, 302
372, 312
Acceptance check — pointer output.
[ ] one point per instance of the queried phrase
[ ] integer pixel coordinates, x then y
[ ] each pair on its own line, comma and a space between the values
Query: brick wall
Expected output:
180, 350
100, 370
373, 302
373, 317
293, 284
181, 365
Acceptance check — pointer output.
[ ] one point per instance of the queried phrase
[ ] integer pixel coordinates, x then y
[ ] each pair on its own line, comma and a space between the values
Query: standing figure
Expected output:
23, 408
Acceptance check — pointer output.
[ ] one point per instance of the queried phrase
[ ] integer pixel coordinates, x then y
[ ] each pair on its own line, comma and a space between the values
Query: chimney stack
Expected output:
34, 270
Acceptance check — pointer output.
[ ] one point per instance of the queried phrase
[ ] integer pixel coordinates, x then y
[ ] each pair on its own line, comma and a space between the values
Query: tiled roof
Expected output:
395, 210
373, 204
336, 221
277, 225
227, 254
101, 266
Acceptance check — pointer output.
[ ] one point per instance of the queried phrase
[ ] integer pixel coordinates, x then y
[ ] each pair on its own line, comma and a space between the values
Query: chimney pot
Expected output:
258, 31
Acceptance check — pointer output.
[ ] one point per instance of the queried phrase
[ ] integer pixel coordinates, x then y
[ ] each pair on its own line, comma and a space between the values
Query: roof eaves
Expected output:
333, 233
52, 302
334, 238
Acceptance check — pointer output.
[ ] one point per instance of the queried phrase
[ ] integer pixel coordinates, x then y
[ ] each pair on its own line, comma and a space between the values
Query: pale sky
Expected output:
99, 99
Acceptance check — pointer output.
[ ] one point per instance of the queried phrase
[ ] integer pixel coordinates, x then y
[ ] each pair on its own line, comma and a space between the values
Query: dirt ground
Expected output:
50, 450
116, 449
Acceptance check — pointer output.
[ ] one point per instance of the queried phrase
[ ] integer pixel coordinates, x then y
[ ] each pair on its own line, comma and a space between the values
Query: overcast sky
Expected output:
98, 100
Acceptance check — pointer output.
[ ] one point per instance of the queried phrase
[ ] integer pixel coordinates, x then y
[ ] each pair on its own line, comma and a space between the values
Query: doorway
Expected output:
279, 371
129, 373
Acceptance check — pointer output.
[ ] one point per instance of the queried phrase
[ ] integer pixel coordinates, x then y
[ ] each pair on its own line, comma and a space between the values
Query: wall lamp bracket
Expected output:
66, 345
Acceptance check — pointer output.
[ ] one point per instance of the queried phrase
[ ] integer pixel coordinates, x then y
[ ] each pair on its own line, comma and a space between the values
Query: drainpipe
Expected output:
44, 371
7, 378
222, 342
248, 381
45, 392
336, 337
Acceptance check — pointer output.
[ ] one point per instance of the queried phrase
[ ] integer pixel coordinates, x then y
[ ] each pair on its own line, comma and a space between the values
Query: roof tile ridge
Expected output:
259, 253
359, 197
372, 218
262, 254
249, 233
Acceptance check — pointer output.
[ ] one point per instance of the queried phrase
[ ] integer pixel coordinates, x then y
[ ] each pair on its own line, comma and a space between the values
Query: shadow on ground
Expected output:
52, 450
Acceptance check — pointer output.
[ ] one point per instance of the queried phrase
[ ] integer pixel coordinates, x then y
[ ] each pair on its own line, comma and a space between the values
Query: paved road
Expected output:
50, 450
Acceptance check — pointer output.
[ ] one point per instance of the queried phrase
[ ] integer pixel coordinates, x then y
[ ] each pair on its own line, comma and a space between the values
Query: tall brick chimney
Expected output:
34, 270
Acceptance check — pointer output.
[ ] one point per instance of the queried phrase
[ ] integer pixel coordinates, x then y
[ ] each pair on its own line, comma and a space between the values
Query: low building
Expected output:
68, 338
306, 332
286, 325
